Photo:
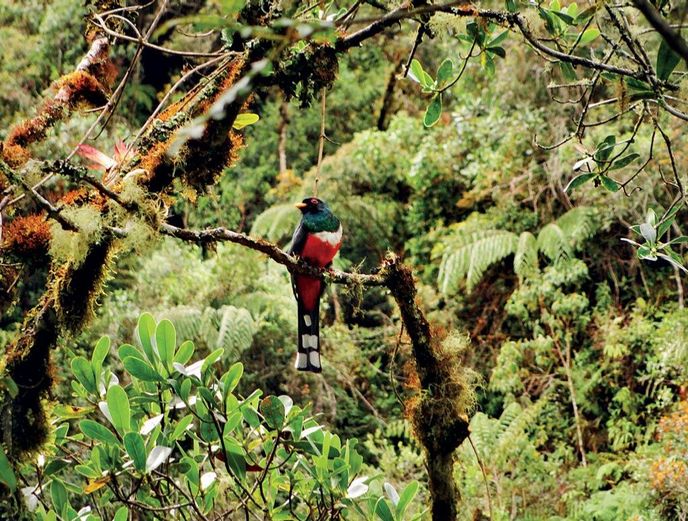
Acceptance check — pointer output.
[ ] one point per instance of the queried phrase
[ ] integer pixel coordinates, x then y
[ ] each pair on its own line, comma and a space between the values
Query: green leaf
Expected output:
136, 448
122, 514
141, 370
499, 51
233, 421
610, 184
56, 465
416, 72
211, 359
638, 85
96, 431
563, 16
7, 476
579, 180
272, 409
683, 239
664, 226
589, 35
231, 7
511, 6
166, 341
83, 370
118, 405
98, 357
667, 60
383, 511
587, 13
244, 120
146, 333
232, 377
405, 498
604, 149
58, 495
498, 39
567, 71
433, 112
126, 350
444, 72
624, 161
184, 353
645, 253
181, 427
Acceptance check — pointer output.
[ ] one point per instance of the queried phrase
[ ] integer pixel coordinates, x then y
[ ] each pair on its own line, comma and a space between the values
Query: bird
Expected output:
316, 241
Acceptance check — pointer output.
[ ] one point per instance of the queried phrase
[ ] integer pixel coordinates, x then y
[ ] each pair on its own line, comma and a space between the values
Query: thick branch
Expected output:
500, 17
275, 253
670, 35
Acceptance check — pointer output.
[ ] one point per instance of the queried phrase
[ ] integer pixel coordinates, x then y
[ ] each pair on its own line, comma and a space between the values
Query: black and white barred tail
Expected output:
308, 354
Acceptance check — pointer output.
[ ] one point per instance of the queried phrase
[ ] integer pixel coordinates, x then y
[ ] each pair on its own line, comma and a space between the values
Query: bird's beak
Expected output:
300, 206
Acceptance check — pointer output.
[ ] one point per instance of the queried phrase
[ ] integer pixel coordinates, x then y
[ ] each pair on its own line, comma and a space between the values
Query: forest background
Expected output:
504, 176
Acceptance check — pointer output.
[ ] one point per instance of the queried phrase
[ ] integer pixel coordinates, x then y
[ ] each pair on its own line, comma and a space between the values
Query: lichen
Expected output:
69, 246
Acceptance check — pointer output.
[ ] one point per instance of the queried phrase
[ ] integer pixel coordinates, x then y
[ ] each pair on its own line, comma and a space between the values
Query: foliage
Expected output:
174, 434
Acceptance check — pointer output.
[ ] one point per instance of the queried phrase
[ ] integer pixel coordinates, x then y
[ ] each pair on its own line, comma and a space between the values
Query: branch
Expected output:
275, 253
501, 17
670, 35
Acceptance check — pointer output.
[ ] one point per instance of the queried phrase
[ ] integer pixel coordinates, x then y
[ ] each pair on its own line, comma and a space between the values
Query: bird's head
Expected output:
312, 205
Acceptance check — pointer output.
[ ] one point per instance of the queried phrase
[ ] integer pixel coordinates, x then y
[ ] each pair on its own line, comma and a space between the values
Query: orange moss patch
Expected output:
153, 158
81, 87
75, 89
27, 235
14, 155
75, 197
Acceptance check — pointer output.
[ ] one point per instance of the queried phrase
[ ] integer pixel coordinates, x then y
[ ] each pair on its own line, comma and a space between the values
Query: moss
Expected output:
76, 287
307, 73
440, 413
27, 236
28, 363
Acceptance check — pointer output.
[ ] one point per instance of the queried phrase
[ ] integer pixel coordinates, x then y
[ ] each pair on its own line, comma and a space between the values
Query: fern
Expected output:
579, 225
553, 242
228, 327
276, 223
526, 257
469, 255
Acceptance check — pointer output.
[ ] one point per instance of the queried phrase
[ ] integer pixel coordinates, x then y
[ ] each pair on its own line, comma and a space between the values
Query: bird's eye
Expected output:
314, 201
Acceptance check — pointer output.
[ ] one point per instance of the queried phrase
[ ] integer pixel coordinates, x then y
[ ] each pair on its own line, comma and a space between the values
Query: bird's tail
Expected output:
308, 355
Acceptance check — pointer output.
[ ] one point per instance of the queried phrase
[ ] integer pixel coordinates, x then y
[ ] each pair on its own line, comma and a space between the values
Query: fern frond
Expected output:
469, 255
579, 225
186, 320
553, 242
526, 256
276, 223
229, 327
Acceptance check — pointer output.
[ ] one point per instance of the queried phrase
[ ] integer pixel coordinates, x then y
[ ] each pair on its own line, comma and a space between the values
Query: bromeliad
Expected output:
316, 241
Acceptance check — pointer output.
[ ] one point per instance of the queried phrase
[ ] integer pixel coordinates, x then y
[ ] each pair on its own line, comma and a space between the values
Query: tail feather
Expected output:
308, 354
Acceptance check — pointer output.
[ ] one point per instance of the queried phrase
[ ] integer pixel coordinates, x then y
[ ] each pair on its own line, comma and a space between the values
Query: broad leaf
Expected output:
434, 111
136, 448
120, 411
667, 60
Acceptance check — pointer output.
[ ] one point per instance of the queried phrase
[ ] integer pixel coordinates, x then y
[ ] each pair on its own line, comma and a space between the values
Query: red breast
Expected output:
319, 252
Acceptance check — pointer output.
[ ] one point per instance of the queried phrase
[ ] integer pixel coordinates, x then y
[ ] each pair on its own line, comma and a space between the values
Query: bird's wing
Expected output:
298, 240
